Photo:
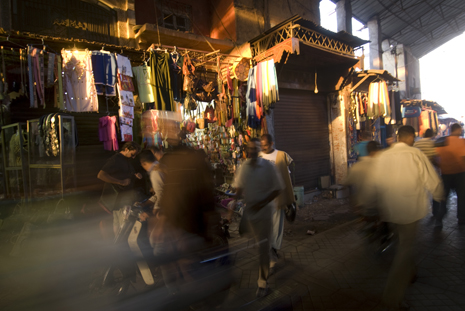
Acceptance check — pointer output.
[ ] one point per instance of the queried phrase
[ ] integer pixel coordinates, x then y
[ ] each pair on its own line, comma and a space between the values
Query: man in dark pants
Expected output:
452, 164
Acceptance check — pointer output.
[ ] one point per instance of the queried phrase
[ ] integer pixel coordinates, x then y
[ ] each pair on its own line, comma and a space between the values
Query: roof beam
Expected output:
400, 18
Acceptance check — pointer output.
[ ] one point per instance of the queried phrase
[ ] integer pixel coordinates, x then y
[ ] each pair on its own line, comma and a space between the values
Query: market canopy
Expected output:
424, 104
362, 79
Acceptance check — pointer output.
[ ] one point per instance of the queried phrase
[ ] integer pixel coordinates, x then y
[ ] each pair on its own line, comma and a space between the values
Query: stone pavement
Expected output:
338, 270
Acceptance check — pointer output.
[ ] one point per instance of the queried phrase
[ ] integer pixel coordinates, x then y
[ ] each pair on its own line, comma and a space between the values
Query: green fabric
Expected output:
161, 81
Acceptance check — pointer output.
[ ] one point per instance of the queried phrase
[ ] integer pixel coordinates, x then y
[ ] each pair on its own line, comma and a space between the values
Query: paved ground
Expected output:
332, 270
337, 270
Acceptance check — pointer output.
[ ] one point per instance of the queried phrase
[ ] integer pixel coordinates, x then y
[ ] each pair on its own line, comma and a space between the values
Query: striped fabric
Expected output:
426, 145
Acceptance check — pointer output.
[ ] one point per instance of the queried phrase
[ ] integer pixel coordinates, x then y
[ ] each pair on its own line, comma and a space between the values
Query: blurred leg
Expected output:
403, 267
448, 181
261, 229
460, 189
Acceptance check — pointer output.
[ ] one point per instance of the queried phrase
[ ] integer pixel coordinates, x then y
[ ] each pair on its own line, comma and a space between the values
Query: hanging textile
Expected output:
253, 120
125, 83
161, 82
37, 79
124, 65
30, 69
50, 70
78, 80
176, 64
107, 133
143, 77
104, 66
58, 84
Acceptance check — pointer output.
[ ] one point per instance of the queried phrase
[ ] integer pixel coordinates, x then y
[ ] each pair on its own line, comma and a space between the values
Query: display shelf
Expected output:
14, 139
52, 152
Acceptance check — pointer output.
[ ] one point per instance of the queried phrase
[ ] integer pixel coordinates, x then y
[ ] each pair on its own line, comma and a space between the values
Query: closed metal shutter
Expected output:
301, 130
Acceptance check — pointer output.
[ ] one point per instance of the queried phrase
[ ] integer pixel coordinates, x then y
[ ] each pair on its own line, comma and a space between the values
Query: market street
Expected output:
334, 270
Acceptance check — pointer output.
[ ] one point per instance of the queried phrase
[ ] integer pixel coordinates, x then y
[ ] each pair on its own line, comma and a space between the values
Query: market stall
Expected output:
422, 115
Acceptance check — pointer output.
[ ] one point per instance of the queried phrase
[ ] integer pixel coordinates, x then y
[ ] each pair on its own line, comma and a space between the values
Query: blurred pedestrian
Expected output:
452, 165
259, 183
358, 177
426, 145
402, 178
286, 198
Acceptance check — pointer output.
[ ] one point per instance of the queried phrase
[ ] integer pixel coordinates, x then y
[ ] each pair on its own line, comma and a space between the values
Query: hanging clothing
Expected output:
176, 64
104, 66
50, 70
161, 81
78, 80
58, 85
38, 72
143, 77
253, 120
124, 65
107, 133
30, 68
125, 83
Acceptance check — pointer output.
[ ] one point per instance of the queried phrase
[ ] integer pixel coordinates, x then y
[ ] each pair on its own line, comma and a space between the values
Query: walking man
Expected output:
282, 161
259, 183
426, 145
402, 177
452, 165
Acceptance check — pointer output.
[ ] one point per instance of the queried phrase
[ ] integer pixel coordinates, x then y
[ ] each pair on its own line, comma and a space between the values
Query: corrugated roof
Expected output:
423, 25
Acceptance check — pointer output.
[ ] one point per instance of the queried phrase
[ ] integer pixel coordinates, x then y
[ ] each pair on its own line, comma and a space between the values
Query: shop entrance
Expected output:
301, 130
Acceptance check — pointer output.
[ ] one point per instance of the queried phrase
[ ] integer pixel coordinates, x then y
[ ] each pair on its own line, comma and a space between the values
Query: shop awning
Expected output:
307, 33
428, 104
147, 35
362, 79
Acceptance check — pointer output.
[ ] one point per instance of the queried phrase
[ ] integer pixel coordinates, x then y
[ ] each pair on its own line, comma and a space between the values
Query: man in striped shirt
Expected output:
426, 145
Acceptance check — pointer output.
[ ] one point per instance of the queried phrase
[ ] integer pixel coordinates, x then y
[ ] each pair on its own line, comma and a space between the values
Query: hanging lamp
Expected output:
316, 86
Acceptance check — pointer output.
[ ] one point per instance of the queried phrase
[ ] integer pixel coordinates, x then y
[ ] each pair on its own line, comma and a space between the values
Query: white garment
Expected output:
78, 81
156, 179
124, 65
142, 74
257, 183
357, 178
270, 156
402, 178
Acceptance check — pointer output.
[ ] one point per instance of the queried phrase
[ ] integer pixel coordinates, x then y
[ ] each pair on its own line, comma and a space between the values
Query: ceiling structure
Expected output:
423, 25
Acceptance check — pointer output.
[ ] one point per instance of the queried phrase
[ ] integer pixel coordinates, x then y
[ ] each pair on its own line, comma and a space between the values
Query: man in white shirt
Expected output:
402, 179
151, 165
282, 161
259, 183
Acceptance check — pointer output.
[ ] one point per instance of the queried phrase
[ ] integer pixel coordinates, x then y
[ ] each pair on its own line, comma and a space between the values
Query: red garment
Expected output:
107, 133
125, 83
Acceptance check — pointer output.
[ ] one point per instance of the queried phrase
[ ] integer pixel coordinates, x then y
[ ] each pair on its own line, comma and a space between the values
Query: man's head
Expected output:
406, 134
267, 143
157, 152
253, 148
372, 148
456, 130
130, 149
428, 133
147, 159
